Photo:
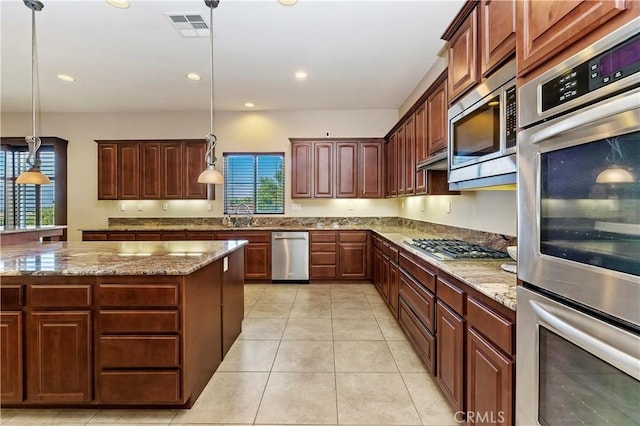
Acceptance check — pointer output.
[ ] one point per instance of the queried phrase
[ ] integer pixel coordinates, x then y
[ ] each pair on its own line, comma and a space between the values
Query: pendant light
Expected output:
210, 175
33, 175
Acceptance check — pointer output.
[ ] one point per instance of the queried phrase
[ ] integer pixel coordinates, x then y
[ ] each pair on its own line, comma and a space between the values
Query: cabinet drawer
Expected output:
420, 272
152, 387
393, 253
122, 236
11, 296
493, 326
323, 237
422, 340
420, 300
323, 258
148, 236
139, 351
142, 295
139, 322
323, 271
323, 247
51, 296
174, 236
94, 236
252, 237
352, 237
451, 295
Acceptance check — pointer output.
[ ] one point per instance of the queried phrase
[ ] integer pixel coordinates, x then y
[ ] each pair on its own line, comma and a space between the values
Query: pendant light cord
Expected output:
33, 141
210, 159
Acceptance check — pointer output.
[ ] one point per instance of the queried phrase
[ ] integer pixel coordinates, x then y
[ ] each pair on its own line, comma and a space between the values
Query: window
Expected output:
26, 205
254, 180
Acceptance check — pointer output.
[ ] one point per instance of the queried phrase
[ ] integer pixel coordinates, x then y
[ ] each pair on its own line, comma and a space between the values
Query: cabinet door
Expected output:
450, 347
352, 260
400, 160
301, 166
59, 357
172, 170
371, 169
489, 380
257, 261
394, 285
392, 166
421, 147
194, 164
150, 171
346, 170
377, 269
409, 155
463, 61
128, 171
437, 120
11, 389
107, 171
323, 170
497, 33
549, 27
232, 300
386, 278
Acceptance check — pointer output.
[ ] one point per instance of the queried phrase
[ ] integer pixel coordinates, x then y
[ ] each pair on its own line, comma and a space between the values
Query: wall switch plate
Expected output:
350, 206
421, 205
209, 206
123, 207
296, 207
139, 207
165, 206
448, 207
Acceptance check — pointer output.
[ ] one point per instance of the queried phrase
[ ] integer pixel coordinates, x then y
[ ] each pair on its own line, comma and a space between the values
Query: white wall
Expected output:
253, 131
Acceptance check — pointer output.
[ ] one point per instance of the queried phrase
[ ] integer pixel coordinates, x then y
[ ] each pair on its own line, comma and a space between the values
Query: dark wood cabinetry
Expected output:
336, 168
353, 255
548, 28
497, 33
421, 146
463, 51
450, 354
400, 160
257, 254
410, 155
392, 165
323, 255
437, 140
132, 170
11, 381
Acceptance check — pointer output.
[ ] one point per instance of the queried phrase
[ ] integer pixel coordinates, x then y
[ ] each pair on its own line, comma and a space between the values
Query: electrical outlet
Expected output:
402, 205
421, 205
448, 207
139, 207
296, 207
123, 207
350, 206
165, 206
209, 206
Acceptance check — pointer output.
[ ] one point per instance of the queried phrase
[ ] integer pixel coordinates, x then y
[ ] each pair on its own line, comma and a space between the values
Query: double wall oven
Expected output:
578, 328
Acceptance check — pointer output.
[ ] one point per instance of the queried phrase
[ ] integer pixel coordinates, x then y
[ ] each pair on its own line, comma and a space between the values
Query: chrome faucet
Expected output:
247, 212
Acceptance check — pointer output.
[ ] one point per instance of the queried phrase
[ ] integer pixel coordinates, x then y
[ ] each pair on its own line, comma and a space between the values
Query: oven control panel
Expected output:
510, 114
612, 65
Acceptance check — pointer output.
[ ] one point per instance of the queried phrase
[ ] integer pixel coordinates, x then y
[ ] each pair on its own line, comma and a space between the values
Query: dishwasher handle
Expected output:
288, 238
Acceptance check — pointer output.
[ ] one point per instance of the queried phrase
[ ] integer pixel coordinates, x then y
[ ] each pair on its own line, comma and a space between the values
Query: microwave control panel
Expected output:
510, 114
612, 65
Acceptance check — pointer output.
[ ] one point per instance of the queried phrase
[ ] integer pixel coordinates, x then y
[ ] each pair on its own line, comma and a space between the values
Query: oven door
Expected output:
572, 367
579, 206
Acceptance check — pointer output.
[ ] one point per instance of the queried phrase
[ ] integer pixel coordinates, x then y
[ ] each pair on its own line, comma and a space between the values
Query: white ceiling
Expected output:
358, 54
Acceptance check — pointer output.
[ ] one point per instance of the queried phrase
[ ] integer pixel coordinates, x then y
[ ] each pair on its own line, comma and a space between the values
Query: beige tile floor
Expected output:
308, 354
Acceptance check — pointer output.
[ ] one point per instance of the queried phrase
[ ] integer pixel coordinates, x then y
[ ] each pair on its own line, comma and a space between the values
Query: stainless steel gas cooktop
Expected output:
454, 249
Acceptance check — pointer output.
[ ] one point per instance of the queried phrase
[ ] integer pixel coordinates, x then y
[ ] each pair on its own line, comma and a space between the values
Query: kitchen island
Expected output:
117, 323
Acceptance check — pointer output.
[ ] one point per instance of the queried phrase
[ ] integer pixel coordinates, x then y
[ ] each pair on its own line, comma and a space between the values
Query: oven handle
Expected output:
620, 359
607, 109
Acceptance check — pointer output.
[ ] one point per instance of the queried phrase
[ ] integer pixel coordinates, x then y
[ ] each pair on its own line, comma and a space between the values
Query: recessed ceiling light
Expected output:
120, 4
249, 104
288, 2
301, 75
66, 77
193, 76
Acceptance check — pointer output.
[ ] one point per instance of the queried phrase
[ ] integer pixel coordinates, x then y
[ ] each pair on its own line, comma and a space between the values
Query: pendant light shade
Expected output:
33, 175
210, 175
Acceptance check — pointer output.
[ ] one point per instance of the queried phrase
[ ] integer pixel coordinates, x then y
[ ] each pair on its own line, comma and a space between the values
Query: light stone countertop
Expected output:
18, 230
113, 257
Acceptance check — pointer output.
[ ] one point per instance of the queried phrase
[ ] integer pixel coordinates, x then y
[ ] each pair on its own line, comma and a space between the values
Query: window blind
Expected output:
254, 180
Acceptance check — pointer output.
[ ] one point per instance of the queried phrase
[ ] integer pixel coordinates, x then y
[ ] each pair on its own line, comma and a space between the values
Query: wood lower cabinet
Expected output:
323, 255
59, 366
257, 254
353, 255
450, 355
11, 379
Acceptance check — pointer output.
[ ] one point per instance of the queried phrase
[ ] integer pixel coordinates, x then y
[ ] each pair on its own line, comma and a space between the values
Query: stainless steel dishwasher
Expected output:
290, 257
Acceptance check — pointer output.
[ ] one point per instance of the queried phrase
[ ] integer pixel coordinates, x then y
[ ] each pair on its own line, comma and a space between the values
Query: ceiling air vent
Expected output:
189, 24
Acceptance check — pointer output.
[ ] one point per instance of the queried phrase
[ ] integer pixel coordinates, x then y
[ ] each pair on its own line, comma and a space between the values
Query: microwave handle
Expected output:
604, 350
605, 110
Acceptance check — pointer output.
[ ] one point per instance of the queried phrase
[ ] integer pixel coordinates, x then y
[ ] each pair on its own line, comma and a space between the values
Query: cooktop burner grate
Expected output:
443, 249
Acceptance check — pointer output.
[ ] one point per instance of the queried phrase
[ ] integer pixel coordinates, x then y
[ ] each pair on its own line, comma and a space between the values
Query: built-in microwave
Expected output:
482, 133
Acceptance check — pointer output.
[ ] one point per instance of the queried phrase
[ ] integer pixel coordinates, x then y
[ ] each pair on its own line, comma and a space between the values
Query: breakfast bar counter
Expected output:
117, 323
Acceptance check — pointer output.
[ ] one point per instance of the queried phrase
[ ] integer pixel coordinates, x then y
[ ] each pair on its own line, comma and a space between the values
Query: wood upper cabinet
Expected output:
497, 33
346, 169
371, 170
400, 160
463, 63
323, 170
410, 155
437, 120
128, 171
194, 164
301, 170
107, 171
150, 165
171, 159
421, 146
392, 165
11, 388
547, 28
59, 367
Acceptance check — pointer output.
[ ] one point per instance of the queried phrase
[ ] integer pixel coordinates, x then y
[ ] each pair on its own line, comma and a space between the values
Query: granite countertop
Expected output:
113, 257
486, 276
17, 230
143, 228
